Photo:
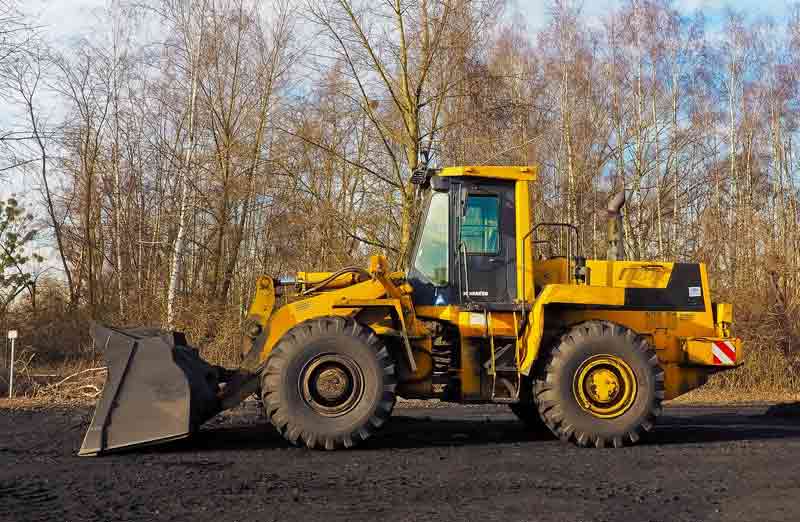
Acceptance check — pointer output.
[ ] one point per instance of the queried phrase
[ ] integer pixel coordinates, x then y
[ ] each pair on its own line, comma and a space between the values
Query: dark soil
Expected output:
458, 463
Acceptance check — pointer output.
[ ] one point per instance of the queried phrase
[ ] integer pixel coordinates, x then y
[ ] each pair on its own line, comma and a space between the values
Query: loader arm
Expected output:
268, 326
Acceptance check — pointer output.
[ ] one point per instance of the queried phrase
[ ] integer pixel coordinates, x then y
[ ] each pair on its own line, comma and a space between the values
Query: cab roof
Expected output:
517, 173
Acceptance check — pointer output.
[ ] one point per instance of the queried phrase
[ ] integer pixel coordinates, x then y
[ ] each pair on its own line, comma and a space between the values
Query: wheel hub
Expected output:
331, 384
605, 386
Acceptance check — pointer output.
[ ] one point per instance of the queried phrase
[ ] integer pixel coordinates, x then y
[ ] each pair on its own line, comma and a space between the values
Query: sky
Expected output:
68, 17
535, 11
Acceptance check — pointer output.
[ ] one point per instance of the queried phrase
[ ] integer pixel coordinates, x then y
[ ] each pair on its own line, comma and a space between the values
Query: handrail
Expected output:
569, 253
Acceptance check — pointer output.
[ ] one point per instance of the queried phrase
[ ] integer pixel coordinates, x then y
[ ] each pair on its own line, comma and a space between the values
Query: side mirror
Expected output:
440, 184
419, 176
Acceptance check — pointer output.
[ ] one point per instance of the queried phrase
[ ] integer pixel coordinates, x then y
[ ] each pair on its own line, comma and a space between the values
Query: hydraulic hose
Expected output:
335, 275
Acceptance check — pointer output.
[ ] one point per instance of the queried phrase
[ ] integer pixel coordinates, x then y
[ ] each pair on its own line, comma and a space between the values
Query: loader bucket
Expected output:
157, 389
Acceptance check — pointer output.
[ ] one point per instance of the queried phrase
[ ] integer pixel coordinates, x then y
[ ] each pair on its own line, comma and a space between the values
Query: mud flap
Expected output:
157, 389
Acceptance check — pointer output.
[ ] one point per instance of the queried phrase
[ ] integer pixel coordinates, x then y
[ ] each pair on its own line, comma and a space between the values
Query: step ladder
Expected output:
502, 373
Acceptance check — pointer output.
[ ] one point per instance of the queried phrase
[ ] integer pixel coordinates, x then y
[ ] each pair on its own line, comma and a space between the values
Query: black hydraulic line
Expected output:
325, 282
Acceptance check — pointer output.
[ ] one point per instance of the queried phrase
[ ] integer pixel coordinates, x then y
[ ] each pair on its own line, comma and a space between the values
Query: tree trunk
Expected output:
180, 238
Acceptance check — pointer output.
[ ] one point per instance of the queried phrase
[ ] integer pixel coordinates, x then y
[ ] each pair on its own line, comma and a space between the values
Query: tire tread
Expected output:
548, 401
292, 341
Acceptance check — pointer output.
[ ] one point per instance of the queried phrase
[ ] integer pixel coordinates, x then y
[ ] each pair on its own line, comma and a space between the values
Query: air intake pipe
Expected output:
616, 243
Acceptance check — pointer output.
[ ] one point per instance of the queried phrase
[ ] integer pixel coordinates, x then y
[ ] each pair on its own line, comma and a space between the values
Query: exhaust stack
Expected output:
616, 243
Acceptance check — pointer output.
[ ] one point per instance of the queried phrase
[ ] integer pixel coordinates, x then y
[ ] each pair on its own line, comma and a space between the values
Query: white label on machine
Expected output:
477, 319
695, 291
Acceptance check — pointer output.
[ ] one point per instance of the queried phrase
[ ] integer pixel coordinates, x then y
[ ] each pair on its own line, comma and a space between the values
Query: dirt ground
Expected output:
456, 463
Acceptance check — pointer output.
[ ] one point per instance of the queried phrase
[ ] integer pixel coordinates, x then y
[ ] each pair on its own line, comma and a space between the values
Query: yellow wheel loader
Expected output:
486, 311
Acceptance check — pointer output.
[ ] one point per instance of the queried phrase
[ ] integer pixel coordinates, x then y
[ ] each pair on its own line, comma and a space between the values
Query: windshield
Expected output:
431, 256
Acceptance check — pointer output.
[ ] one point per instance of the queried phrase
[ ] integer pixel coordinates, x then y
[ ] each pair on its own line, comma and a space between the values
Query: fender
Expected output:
563, 294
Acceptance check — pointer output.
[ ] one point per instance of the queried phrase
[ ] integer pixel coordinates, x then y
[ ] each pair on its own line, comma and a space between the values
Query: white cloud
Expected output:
62, 20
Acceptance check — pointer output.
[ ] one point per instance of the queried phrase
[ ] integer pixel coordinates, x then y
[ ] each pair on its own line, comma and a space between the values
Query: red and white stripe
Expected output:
724, 352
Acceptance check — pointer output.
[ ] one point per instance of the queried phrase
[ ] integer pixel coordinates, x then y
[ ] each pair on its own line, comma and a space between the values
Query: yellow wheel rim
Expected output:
605, 386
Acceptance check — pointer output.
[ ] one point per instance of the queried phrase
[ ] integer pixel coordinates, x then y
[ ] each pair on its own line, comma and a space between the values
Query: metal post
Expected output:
11, 373
616, 236
12, 334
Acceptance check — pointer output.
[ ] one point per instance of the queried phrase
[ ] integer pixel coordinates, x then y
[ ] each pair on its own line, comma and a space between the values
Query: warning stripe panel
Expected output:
728, 348
724, 352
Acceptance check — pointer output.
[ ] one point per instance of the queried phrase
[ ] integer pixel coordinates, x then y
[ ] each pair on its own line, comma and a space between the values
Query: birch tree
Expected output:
188, 19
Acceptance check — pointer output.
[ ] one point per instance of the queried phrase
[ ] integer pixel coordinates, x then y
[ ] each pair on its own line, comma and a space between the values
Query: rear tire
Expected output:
526, 409
329, 383
600, 386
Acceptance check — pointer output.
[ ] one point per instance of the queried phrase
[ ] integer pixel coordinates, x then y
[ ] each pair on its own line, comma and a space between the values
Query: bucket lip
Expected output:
133, 446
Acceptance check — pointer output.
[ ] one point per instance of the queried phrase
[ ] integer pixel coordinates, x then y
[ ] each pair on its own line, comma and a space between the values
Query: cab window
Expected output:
431, 258
480, 227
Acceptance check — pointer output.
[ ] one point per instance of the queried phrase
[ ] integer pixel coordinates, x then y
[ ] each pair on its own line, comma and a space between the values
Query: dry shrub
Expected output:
50, 330
55, 342
766, 375
769, 328
3, 380
214, 329
26, 373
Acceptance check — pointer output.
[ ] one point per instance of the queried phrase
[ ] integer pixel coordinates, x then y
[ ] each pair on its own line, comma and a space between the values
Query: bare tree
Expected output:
188, 19
394, 55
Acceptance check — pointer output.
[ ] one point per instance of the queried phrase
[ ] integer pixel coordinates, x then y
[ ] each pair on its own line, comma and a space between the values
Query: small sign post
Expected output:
12, 335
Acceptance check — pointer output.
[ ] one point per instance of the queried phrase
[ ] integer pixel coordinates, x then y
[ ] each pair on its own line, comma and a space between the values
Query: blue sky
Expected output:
536, 11
68, 17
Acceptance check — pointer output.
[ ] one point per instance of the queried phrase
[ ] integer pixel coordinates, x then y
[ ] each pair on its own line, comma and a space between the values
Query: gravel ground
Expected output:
455, 463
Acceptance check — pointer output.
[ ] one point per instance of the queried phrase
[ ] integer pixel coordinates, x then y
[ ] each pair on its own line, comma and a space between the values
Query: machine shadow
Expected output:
222, 438
722, 428
404, 432
400, 433
414, 432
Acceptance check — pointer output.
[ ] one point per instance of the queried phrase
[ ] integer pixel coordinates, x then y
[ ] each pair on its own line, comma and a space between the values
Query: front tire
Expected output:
600, 386
329, 383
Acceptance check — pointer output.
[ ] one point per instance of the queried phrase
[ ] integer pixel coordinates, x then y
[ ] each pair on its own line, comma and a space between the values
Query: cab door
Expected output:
486, 247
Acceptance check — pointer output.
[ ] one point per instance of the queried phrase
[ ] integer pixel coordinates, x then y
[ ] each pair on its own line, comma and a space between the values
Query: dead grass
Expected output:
766, 376
74, 383
44, 403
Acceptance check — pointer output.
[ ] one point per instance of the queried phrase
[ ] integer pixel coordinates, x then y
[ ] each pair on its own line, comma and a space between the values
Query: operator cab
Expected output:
466, 250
